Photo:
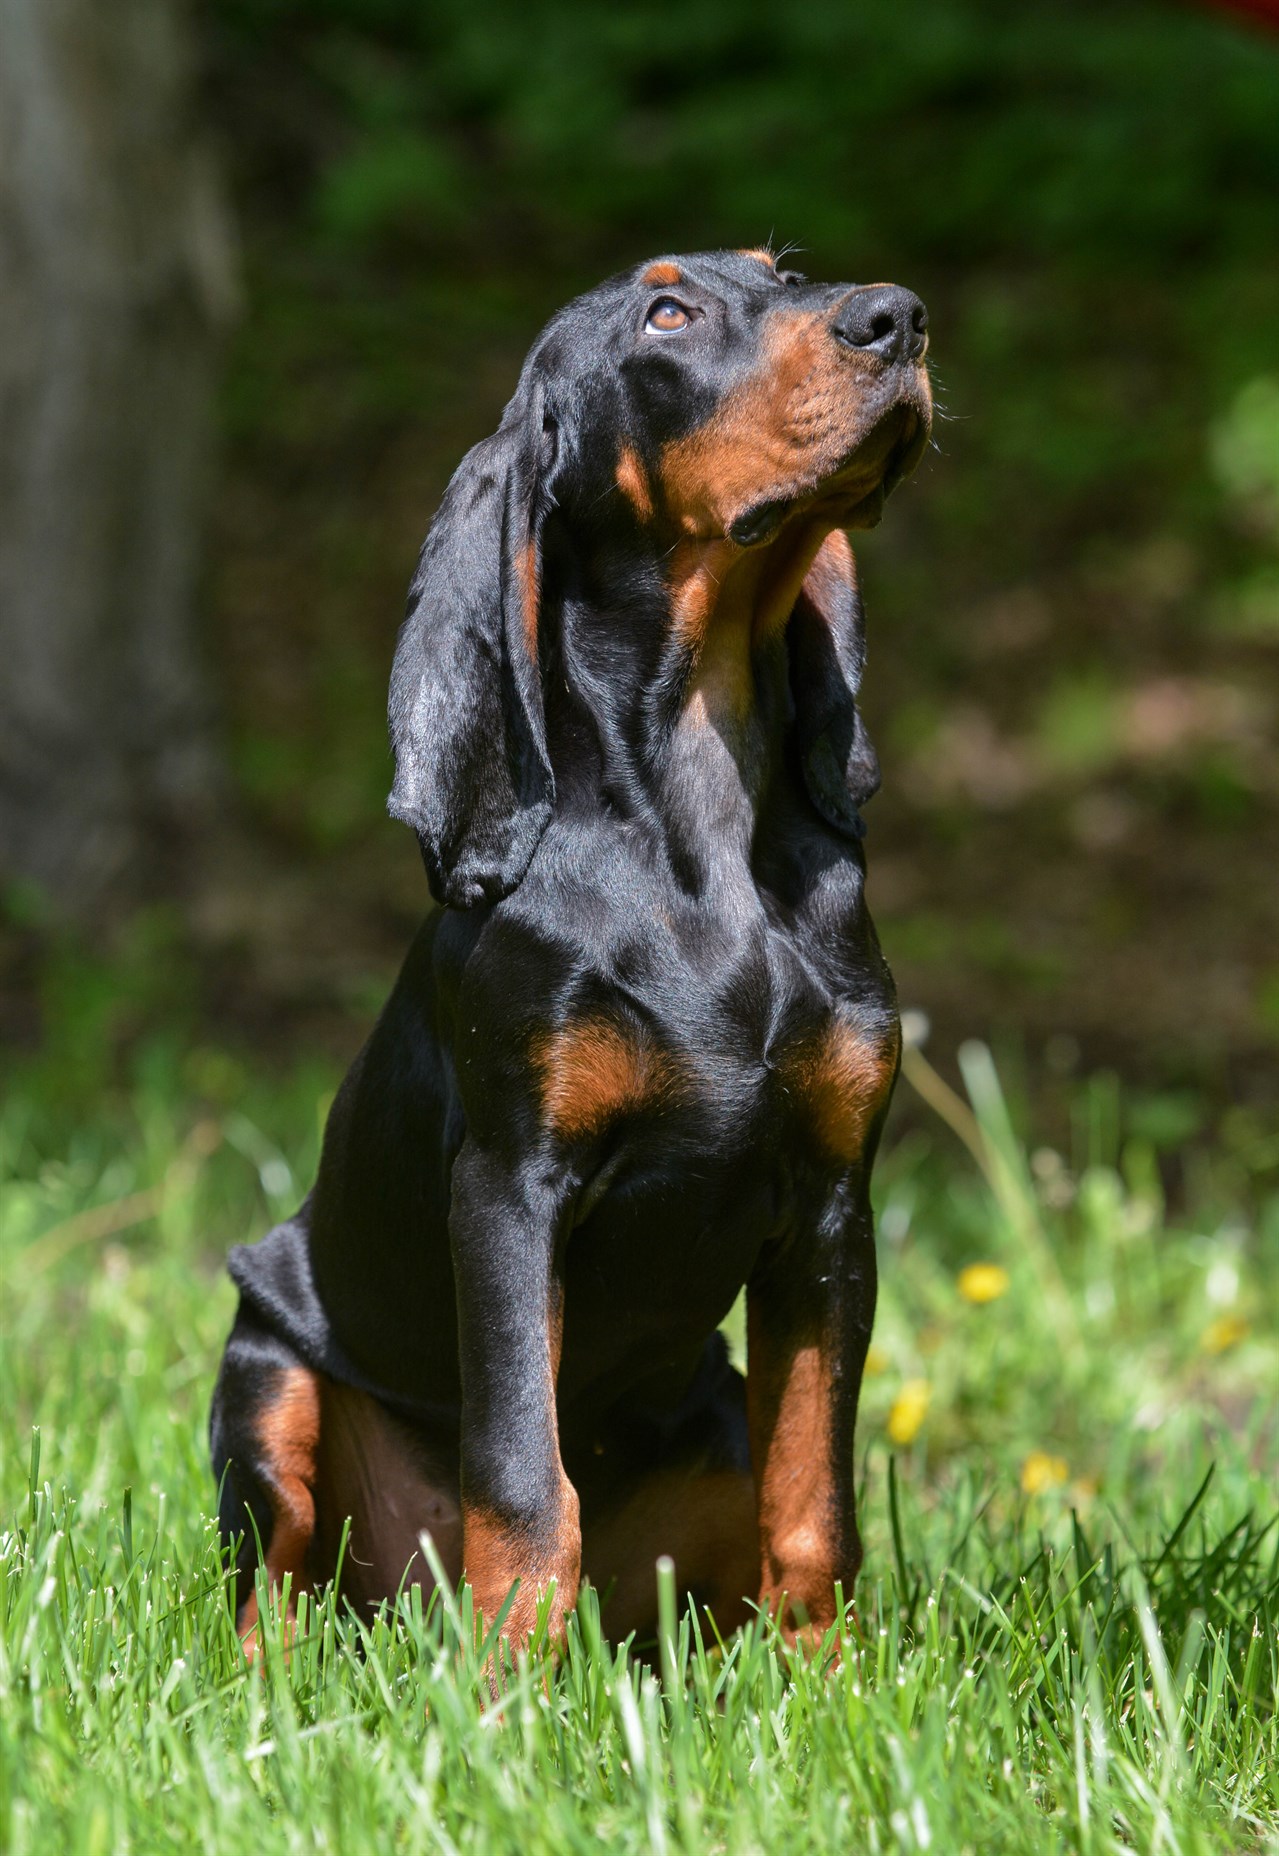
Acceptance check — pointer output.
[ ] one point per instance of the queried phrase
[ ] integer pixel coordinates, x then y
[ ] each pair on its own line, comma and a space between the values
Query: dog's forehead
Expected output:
593, 329
749, 271
746, 276
752, 268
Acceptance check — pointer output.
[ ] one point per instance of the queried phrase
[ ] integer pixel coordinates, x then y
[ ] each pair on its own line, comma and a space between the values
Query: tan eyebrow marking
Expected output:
761, 252
664, 273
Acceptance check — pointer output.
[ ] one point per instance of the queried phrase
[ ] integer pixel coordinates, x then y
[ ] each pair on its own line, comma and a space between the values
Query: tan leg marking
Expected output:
791, 1433
496, 1555
288, 1435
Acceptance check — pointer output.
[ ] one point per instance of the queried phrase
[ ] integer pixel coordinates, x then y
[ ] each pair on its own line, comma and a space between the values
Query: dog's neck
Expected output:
730, 607
715, 763
691, 742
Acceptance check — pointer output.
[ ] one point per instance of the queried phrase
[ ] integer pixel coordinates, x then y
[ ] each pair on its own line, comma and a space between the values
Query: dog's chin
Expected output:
857, 491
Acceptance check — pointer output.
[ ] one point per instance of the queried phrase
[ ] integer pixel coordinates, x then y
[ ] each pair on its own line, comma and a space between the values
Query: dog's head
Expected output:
707, 411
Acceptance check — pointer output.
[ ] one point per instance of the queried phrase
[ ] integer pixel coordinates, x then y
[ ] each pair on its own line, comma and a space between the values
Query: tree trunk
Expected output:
116, 273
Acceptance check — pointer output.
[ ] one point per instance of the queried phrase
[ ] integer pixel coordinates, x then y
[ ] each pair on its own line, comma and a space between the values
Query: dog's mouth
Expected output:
853, 494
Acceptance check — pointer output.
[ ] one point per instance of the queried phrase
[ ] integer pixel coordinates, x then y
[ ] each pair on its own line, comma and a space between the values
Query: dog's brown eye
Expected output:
666, 317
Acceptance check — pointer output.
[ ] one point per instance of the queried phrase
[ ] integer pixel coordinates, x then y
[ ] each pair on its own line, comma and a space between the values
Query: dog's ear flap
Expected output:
826, 639
472, 775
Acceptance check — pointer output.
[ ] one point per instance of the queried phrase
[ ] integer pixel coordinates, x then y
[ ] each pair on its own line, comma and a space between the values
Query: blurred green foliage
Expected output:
968, 131
1245, 446
1086, 194
1072, 606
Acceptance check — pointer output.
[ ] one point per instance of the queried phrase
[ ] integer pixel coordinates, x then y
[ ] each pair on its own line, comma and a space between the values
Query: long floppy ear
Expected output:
826, 637
472, 776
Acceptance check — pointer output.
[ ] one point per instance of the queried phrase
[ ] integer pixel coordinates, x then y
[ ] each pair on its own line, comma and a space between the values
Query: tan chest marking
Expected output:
842, 1079
289, 1433
747, 596
594, 1070
372, 1470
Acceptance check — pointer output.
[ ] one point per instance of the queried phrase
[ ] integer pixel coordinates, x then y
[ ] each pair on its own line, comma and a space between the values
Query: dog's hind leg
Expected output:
390, 1483
692, 1499
265, 1437
704, 1519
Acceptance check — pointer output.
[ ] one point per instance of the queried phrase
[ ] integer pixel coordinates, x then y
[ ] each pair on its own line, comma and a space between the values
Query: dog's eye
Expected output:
666, 317
791, 277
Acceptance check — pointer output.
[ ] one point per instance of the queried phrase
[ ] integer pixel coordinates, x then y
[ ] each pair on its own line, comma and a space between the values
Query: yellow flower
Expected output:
1041, 1472
1226, 1331
983, 1282
909, 1409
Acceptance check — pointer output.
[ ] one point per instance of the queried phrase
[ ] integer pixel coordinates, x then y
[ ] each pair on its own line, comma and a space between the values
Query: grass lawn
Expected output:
1064, 1637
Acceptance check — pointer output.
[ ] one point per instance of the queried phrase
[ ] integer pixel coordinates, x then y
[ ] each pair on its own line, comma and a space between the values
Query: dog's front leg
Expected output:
810, 1306
519, 1509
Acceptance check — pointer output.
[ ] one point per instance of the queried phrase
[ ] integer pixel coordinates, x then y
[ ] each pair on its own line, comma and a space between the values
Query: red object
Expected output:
1267, 11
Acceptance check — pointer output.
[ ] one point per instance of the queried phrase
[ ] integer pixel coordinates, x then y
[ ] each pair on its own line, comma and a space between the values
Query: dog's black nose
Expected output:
885, 320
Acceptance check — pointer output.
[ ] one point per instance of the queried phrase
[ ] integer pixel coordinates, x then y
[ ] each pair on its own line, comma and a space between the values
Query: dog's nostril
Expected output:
884, 320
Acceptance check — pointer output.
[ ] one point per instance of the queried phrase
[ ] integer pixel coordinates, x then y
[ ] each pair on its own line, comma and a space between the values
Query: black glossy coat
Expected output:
639, 1058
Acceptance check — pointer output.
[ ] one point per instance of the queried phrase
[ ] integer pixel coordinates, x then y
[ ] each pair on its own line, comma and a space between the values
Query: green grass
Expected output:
1065, 1631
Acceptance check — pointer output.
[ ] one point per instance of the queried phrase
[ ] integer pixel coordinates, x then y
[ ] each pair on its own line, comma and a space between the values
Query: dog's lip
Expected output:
870, 490
908, 450
901, 457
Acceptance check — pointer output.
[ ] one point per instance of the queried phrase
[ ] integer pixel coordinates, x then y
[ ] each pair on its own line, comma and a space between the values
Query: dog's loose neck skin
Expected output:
715, 762
699, 768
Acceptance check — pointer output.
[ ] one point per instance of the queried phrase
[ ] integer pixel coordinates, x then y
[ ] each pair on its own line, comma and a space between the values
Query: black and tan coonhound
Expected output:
640, 1056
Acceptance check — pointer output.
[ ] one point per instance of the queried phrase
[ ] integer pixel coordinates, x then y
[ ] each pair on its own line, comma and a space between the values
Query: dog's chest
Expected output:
792, 1053
739, 1100
723, 1023
755, 1040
